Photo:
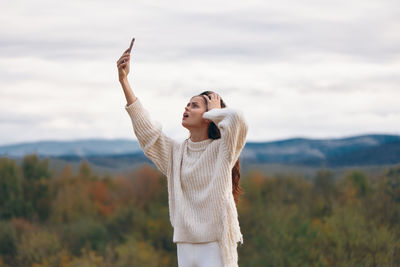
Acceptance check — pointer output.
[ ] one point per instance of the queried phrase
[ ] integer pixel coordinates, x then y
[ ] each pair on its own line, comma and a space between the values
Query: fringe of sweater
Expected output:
230, 234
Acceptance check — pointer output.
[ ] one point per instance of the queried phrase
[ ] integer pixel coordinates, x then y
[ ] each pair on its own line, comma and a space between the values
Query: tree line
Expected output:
85, 219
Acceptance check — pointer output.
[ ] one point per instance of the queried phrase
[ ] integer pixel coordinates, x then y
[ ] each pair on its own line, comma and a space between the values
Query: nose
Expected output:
186, 108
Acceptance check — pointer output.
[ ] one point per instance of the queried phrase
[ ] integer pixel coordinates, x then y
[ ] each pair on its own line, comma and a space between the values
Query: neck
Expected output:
199, 135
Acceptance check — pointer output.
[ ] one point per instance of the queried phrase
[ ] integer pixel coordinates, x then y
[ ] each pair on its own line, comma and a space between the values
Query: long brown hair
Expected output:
214, 133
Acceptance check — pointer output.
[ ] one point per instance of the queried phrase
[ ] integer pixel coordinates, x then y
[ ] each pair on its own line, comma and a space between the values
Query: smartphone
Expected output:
130, 47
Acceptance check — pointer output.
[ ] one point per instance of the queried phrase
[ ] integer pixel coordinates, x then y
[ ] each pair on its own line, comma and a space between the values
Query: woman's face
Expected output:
192, 116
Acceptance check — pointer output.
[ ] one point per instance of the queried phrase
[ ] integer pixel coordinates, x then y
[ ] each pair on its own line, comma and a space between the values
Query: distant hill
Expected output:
362, 150
79, 148
350, 151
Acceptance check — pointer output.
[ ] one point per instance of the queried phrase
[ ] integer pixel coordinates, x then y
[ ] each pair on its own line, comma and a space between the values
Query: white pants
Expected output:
199, 254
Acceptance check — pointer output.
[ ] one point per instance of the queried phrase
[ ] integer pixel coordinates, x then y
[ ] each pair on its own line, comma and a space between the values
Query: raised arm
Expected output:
154, 143
232, 125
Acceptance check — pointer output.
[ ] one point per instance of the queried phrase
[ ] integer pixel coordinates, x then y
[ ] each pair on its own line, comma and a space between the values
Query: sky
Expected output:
309, 69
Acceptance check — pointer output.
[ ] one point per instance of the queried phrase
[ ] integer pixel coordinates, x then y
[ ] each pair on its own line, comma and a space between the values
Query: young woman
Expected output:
202, 172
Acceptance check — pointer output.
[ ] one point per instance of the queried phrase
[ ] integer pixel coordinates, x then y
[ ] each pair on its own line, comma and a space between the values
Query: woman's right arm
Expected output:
123, 70
155, 144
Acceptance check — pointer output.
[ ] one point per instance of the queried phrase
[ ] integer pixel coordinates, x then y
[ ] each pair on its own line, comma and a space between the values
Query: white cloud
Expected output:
309, 68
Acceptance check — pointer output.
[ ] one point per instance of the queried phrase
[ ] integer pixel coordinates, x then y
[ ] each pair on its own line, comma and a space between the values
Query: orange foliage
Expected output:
66, 173
100, 195
257, 179
125, 190
140, 187
146, 185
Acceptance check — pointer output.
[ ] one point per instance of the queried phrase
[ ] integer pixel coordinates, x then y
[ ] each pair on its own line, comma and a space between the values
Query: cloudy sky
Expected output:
315, 69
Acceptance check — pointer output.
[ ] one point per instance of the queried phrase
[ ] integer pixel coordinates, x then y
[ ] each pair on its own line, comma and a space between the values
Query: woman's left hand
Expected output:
214, 102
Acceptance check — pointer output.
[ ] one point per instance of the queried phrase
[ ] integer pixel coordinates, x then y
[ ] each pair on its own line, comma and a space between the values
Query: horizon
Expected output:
247, 141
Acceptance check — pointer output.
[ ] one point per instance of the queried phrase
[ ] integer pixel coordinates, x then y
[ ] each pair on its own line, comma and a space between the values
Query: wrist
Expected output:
123, 79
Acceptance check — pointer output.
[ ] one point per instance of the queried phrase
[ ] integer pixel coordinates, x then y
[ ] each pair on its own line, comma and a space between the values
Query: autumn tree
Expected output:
36, 185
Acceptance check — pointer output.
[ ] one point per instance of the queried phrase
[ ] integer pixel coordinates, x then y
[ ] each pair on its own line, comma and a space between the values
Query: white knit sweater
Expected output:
199, 174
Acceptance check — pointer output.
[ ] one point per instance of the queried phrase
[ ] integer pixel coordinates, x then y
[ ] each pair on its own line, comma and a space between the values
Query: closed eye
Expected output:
194, 104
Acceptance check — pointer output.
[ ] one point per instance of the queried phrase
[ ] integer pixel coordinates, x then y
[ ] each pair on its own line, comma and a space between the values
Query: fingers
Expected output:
122, 65
124, 58
127, 51
213, 100
212, 97
124, 62
215, 96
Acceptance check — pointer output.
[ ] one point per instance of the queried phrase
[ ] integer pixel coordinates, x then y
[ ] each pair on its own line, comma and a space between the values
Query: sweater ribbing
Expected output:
199, 177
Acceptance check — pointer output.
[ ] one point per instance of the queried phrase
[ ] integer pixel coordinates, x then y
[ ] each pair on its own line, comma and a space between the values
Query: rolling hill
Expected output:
295, 153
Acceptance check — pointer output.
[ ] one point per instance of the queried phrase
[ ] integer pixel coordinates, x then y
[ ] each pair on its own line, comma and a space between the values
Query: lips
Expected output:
185, 115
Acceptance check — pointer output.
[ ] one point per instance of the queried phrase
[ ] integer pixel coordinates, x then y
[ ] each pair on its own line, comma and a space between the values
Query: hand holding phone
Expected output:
123, 62
130, 48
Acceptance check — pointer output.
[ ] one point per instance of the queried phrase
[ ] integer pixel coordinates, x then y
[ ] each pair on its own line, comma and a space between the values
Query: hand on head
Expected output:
213, 101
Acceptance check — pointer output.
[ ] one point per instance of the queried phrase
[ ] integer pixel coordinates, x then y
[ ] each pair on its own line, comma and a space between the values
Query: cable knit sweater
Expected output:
199, 175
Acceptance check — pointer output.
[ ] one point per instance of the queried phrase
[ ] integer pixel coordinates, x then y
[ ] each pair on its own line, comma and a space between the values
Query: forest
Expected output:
84, 219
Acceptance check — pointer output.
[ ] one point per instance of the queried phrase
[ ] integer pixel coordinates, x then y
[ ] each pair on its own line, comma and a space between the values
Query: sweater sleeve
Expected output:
154, 143
233, 128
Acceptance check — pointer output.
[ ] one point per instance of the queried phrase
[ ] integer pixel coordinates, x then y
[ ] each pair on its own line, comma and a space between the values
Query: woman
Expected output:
202, 172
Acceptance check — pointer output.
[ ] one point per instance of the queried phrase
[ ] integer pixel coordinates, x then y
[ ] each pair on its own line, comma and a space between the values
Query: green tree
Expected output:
85, 233
323, 193
11, 202
39, 246
393, 183
359, 181
36, 185
8, 247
